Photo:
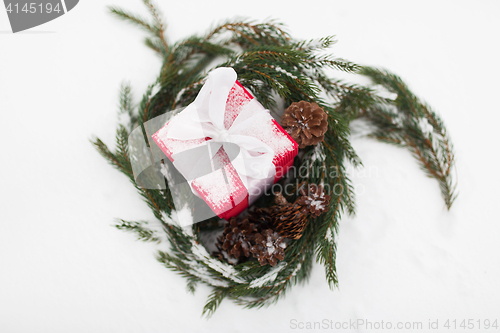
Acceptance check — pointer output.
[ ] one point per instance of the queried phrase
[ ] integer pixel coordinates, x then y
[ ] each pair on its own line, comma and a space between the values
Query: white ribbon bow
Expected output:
205, 118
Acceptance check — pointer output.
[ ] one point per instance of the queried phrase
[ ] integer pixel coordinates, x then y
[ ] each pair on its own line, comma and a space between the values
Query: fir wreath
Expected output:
273, 65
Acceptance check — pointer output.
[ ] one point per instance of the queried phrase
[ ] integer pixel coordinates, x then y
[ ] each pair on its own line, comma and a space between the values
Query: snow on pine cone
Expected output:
269, 247
314, 200
305, 122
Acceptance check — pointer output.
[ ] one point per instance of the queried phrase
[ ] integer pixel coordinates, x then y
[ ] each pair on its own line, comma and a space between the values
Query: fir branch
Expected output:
143, 233
314, 45
122, 164
155, 199
406, 127
155, 45
106, 153
183, 51
246, 33
126, 98
214, 301
159, 26
331, 62
144, 105
327, 256
326, 252
156, 29
177, 265
131, 18
191, 285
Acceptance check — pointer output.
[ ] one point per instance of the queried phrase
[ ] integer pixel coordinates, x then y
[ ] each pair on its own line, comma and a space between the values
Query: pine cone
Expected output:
305, 122
279, 199
269, 247
261, 218
237, 237
314, 200
289, 220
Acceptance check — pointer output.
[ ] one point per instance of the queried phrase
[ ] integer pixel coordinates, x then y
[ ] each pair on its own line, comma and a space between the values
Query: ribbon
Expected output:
204, 118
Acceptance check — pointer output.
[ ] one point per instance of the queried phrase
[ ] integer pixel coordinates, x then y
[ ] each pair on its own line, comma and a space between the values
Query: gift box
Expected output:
225, 115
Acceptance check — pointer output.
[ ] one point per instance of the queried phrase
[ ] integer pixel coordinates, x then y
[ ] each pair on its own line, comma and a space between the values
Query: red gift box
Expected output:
223, 189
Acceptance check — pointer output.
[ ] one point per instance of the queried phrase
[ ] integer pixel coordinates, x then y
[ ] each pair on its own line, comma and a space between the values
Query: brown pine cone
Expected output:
237, 237
314, 200
279, 199
261, 218
305, 122
289, 220
269, 247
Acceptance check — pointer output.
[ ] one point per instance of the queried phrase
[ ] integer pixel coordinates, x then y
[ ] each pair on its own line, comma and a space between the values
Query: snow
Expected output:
318, 153
318, 204
229, 259
269, 277
403, 257
180, 217
425, 127
281, 70
226, 270
329, 236
202, 272
216, 183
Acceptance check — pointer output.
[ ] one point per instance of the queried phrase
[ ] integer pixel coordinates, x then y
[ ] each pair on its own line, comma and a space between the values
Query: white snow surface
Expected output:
402, 258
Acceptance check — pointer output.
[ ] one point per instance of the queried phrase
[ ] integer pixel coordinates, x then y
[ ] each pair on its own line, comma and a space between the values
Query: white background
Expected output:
64, 268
